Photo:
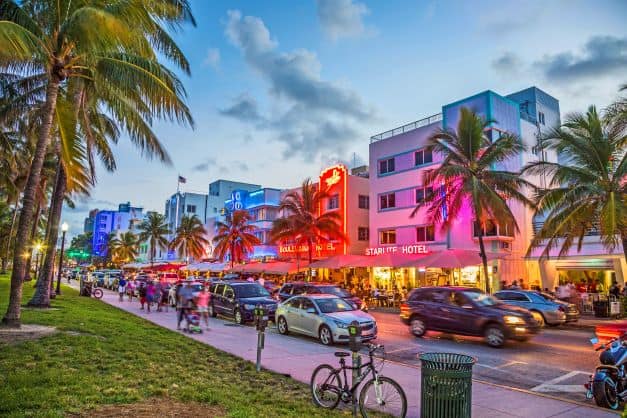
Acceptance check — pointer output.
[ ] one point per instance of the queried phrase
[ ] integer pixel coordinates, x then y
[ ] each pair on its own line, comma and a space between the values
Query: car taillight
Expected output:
404, 307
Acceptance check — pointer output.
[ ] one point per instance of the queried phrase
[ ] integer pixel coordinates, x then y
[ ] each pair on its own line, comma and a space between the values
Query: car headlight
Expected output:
341, 324
249, 307
513, 320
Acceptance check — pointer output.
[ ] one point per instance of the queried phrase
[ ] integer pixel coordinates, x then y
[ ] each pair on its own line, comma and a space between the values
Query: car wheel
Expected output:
539, 318
238, 316
282, 326
495, 336
417, 326
325, 336
211, 311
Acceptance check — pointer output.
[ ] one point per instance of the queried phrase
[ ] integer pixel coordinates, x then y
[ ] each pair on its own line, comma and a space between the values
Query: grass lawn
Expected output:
102, 355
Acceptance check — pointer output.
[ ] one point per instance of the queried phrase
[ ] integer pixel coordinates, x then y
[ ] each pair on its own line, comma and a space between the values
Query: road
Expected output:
556, 362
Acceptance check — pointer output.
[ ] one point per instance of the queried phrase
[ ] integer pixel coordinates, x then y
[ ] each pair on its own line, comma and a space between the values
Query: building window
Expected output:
423, 193
387, 237
425, 233
191, 208
386, 166
363, 233
541, 118
489, 229
364, 202
424, 156
334, 202
388, 201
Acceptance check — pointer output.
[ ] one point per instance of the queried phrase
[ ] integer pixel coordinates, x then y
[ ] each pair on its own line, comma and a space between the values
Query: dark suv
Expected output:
311, 288
237, 299
466, 311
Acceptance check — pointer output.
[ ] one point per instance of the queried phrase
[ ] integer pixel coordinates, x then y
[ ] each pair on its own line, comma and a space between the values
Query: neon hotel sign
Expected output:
398, 249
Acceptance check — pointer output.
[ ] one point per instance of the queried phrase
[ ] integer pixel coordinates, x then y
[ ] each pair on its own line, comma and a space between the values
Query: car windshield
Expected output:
330, 305
481, 299
334, 290
251, 291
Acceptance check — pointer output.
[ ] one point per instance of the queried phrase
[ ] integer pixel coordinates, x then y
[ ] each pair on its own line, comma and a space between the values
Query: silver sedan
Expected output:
323, 316
543, 309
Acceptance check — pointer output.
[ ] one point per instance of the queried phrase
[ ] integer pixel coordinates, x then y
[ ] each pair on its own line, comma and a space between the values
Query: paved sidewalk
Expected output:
298, 356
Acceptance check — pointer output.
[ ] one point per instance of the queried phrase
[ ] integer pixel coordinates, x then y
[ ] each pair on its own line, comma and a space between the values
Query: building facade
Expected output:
185, 203
398, 161
107, 222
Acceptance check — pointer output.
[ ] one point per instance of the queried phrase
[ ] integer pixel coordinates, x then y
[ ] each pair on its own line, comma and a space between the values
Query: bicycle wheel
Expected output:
326, 386
98, 293
386, 396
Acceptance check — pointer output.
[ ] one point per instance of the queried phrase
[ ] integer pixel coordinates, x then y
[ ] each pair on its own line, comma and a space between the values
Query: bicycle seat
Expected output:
341, 354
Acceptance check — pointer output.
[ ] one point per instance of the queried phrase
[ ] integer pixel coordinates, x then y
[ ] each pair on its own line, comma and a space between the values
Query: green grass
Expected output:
120, 358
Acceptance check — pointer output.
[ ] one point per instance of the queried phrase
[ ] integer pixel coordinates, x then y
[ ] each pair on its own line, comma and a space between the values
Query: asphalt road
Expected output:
556, 362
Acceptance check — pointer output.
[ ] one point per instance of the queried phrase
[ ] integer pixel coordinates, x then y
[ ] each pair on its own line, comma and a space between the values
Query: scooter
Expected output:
608, 386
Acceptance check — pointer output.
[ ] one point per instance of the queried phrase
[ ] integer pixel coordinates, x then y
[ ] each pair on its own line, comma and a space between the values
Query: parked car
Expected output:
323, 316
544, 310
98, 277
195, 285
238, 299
168, 277
466, 311
572, 312
312, 288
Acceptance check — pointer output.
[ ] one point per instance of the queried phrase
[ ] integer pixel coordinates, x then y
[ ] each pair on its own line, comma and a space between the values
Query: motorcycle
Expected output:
608, 385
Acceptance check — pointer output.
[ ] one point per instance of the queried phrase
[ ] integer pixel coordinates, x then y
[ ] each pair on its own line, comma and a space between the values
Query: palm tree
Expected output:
190, 238
303, 224
617, 111
124, 248
235, 237
466, 177
155, 230
114, 42
588, 191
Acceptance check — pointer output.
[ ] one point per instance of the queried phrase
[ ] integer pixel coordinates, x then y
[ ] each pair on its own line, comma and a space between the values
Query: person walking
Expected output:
142, 294
121, 288
150, 295
183, 303
130, 290
159, 286
202, 304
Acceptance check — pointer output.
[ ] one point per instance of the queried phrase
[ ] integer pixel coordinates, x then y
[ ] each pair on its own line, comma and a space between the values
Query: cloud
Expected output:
507, 63
342, 18
600, 56
204, 166
241, 165
316, 116
212, 58
244, 108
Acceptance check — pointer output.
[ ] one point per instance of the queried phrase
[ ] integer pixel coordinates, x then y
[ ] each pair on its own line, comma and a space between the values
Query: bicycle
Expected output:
329, 385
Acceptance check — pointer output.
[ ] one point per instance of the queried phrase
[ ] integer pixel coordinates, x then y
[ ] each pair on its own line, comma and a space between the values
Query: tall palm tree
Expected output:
154, 229
190, 238
469, 179
124, 248
303, 224
617, 111
116, 42
235, 237
588, 189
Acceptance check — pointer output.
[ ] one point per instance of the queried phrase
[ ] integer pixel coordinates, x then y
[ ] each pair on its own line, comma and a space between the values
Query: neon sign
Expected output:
283, 249
334, 178
403, 249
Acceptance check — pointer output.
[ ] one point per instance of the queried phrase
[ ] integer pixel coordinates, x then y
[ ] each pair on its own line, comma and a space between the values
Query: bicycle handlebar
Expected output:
374, 347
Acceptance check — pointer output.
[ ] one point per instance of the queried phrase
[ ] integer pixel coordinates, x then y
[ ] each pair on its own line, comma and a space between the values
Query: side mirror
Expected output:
311, 310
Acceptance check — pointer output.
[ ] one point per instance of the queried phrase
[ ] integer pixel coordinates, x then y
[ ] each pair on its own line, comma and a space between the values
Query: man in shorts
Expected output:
183, 303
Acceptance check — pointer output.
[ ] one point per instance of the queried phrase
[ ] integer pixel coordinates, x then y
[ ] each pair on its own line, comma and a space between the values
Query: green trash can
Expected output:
446, 385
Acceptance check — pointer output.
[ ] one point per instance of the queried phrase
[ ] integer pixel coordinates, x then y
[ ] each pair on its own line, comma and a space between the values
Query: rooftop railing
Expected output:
406, 128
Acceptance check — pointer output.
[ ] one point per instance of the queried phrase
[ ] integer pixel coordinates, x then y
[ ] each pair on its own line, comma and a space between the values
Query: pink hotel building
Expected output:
398, 160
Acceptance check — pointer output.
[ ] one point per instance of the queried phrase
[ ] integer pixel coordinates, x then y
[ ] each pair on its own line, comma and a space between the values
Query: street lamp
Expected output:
64, 228
38, 248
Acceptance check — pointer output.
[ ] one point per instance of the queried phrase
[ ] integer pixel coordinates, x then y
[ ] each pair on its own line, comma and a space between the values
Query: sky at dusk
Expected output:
280, 89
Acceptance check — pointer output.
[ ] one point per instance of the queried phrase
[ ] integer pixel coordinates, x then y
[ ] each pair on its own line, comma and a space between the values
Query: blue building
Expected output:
107, 222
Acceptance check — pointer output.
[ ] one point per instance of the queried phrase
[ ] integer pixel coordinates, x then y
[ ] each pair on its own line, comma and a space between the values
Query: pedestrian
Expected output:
121, 288
165, 292
184, 298
615, 289
142, 294
159, 286
130, 290
261, 280
150, 295
514, 285
202, 304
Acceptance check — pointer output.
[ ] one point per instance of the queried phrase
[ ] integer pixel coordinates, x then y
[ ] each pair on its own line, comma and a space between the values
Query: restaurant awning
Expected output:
451, 258
278, 267
341, 261
205, 266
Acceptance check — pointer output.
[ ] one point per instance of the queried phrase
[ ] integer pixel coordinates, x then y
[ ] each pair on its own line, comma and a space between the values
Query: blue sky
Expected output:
281, 89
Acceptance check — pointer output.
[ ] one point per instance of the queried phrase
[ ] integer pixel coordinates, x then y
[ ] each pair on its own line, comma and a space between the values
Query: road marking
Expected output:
552, 385
499, 368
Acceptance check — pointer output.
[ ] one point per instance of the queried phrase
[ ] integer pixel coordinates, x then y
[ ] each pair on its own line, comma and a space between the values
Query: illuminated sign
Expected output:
402, 249
237, 197
334, 178
286, 249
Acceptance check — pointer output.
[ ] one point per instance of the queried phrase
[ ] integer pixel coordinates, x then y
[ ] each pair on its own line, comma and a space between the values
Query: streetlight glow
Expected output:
65, 227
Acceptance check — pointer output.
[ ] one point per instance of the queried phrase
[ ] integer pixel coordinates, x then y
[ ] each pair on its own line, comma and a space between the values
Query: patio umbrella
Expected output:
451, 258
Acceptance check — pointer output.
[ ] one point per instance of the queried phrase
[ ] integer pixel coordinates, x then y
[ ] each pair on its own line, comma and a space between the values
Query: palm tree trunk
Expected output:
13, 314
33, 234
623, 235
5, 260
484, 260
232, 254
310, 256
41, 298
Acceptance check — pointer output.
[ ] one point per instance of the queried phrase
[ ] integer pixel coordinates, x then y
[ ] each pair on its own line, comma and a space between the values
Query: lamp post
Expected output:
64, 228
38, 248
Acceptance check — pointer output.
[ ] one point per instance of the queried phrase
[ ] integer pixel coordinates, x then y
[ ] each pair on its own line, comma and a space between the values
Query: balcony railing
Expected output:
592, 232
406, 128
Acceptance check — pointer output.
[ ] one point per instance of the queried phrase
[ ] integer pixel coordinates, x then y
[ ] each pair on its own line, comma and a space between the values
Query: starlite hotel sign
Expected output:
398, 249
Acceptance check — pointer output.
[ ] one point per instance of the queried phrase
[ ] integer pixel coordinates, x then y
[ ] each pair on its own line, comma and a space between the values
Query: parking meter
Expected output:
261, 322
354, 336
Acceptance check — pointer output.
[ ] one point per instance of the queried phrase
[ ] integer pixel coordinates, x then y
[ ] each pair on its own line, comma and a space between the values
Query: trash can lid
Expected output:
447, 361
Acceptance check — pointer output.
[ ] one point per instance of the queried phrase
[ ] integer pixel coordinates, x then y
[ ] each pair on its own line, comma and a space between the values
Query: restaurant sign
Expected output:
286, 249
398, 249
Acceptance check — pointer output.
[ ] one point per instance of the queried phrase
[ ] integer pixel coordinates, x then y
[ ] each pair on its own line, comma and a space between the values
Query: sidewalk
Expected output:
298, 356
